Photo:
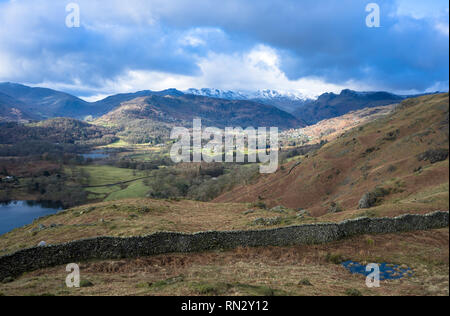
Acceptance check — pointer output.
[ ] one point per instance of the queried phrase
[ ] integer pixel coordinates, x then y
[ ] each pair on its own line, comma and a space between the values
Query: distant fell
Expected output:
330, 105
171, 107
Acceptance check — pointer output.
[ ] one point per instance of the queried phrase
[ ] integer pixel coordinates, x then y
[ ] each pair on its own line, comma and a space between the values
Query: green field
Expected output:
102, 176
136, 189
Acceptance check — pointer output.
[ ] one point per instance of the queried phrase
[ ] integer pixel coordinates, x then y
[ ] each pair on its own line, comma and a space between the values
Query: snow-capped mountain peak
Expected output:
274, 94
247, 95
217, 93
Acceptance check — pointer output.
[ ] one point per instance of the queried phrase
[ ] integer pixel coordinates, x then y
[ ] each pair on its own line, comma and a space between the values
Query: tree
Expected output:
4, 171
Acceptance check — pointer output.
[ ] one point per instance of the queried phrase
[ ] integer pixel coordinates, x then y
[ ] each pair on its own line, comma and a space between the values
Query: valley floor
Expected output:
301, 270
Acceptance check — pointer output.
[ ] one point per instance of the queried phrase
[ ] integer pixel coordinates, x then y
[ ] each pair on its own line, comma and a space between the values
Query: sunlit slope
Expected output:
381, 156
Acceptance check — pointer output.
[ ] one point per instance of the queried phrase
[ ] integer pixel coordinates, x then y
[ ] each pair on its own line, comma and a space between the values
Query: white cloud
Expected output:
257, 69
419, 9
443, 28
434, 10
131, 45
5, 65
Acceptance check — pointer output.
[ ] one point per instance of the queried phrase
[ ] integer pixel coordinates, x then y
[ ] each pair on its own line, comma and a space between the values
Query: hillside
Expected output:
396, 159
12, 109
331, 128
112, 102
271, 271
182, 109
57, 130
331, 105
46, 103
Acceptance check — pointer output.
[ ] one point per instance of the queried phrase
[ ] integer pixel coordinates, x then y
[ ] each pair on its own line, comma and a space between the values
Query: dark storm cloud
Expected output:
325, 39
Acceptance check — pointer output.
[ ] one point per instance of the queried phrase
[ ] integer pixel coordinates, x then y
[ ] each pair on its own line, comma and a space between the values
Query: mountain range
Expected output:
183, 108
310, 111
220, 107
330, 105
286, 101
46, 103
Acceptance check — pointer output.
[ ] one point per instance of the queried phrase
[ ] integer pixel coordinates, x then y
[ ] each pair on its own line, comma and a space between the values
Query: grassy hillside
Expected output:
265, 271
12, 110
383, 157
132, 217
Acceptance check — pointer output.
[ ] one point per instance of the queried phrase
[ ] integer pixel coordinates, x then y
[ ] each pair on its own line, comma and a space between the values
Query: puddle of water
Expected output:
387, 271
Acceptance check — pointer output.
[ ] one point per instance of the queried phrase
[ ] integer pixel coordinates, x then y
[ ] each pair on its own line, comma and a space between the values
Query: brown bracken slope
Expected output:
384, 153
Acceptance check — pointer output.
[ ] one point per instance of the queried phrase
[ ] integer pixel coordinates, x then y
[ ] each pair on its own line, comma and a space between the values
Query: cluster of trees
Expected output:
56, 131
35, 147
144, 132
142, 165
55, 187
204, 183
40, 150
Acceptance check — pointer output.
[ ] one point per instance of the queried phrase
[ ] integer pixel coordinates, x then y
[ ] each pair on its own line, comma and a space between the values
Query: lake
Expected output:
96, 154
16, 214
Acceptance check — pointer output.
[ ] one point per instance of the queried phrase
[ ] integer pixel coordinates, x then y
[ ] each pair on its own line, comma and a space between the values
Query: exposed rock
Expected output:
267, 221
392, 135
335, 208
279, 209
303, 213
40, 227
434, 155
42, 244
249, 212
370, 199
367, 201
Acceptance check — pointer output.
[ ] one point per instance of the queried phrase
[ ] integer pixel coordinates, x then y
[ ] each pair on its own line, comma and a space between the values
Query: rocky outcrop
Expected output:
368, 200
371, 198
434, 155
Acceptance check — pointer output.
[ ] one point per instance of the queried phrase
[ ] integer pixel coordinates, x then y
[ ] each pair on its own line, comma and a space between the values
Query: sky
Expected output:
307, 46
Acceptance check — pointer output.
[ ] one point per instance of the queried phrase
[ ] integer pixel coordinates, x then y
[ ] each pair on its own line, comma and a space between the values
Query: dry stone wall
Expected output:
35, 258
